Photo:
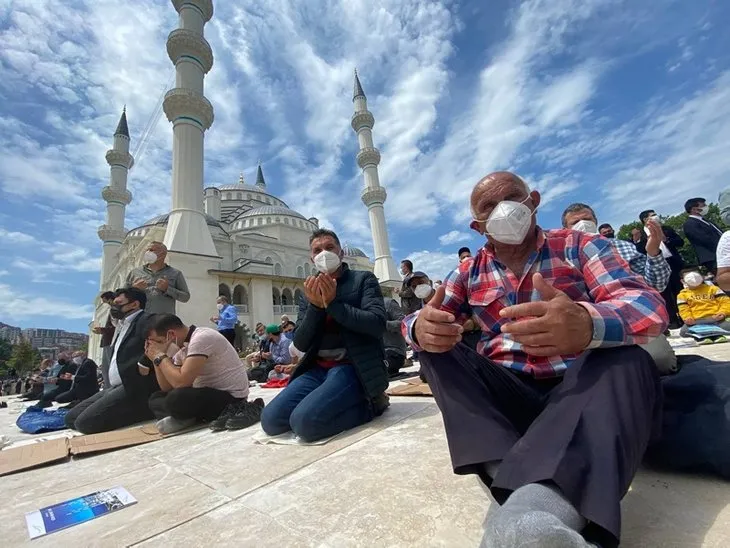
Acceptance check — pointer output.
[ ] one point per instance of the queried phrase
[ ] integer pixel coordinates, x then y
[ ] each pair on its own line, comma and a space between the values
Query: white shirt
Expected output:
723, 251
122, 328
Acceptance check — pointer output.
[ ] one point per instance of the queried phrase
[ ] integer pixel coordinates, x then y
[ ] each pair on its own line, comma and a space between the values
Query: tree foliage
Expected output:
24, 357
6, 350
676, 222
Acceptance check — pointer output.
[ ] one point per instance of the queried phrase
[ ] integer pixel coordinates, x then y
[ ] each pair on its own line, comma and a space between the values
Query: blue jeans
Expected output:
318, 404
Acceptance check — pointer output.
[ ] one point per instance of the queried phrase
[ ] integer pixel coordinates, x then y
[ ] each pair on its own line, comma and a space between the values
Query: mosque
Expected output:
238, 239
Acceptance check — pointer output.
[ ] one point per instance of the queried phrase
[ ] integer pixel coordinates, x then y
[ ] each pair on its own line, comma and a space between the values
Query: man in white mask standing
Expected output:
163, 284
703, 234
555, 408
341, 379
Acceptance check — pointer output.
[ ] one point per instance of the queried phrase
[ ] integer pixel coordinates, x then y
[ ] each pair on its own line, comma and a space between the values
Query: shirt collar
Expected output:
128, 319
148, 269
190, 334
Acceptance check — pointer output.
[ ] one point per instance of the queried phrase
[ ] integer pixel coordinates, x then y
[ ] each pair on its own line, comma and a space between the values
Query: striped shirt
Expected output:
588, 268
655, 270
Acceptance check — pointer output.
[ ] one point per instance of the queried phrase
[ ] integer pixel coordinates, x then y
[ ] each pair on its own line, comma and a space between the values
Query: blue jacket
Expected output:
227, 317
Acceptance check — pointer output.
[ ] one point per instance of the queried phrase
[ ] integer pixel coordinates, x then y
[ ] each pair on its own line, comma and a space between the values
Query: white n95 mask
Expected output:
509, 222
327, 262
149, 257
422, 291
693, 279
586, 226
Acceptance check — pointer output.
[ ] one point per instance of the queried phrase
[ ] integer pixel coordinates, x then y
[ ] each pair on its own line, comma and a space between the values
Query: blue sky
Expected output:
624, 105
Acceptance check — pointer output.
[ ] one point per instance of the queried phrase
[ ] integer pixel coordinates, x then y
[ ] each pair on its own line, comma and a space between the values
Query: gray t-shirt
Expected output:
223, 370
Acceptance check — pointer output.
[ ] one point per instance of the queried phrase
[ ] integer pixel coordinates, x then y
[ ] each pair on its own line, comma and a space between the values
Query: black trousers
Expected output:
670, 298
230, 335
585, 433
53, 394
395, 361
75, 394
204, 404
107, 410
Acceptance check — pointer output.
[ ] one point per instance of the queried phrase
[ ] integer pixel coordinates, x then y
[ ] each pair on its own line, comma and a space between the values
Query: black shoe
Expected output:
248, 414
380, 404
219, 424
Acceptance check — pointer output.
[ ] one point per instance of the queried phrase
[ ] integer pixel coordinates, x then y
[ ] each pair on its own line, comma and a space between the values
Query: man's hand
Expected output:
327, 288
152, 349
98, 330
311, 290
53, 380
140, 283
214, 319
287, 369
656, 236
435, 329
553, 326
162, 284
266, 355
719, 317
690, 321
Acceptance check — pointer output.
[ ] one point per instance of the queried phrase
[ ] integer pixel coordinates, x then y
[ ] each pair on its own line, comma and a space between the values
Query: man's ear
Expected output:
535, 196
477, 227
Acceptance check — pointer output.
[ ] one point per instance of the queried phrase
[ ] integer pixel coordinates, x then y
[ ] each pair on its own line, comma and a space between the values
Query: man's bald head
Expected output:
495, 188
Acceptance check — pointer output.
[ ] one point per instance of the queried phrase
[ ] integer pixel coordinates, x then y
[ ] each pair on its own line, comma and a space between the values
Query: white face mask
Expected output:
78, 360
693, 279
220, 306
149, 257
327, 262
509, 222
704, 210
586, 226
422, 291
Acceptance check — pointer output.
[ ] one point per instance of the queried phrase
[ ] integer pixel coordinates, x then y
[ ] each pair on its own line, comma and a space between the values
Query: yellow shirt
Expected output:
704, 301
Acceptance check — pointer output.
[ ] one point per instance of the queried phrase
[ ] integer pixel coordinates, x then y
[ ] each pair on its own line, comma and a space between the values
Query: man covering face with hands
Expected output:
555, 379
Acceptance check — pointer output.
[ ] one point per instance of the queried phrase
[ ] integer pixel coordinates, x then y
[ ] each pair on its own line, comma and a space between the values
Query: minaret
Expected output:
260, 178
373, 195
191, 115
117, 197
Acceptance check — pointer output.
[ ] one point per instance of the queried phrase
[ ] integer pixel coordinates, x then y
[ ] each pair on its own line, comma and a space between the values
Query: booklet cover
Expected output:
78, 510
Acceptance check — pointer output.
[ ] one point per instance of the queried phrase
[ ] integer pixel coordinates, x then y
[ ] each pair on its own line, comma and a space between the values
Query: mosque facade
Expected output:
238, 239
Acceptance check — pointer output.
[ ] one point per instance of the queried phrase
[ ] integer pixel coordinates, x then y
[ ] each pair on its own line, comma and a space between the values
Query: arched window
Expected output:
248, 195
224, 290
239, 295
268, 220
307, 269
286, 220
300, 271
276, 296
278, 220
277, 269
269, 260
297, 296
260, 221
268, 200
286, 298
239, 195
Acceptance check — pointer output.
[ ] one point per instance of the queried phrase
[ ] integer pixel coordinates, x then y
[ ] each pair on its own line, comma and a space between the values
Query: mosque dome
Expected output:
351, 251
161, 220
270, 210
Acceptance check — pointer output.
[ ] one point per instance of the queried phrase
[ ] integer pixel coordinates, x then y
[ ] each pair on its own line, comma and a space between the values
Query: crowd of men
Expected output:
543, 351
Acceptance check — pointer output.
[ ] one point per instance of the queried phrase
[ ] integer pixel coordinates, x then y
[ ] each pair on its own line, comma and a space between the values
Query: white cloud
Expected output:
453, 237
4, 272
434, 263
16, 305
10, 237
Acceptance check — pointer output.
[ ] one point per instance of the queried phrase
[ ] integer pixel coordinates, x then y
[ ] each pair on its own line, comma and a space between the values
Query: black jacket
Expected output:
703, 237
673, 241
359, 311
393, 337
85, 383
131, 352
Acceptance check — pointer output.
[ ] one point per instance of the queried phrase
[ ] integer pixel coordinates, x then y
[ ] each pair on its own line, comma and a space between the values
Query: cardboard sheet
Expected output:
28, 456
106, 441
413, 387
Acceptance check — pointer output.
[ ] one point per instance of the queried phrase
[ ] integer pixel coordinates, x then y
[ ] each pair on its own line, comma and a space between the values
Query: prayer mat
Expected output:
287, 438
413, 387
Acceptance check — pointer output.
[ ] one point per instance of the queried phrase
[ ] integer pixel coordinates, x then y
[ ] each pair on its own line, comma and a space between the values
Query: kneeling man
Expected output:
340, 381
557, 405
200, 375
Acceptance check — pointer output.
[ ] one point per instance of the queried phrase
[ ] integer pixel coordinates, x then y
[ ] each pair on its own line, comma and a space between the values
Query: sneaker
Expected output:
705, 342
248, 414
380, 404
219, 424
721, 339
170, 425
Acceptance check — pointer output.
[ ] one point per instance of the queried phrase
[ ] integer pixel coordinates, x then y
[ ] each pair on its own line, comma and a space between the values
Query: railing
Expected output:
277, 309
289, 309
242, 308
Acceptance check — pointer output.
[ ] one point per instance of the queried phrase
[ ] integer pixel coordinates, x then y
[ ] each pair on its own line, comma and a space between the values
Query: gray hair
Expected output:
575, 208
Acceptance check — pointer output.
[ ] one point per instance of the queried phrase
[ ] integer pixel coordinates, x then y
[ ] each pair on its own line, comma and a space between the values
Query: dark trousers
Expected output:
106, 358
51, 396
318, 404
203, 404
670, 298
585, 433
75, 394
230, 335
711, 266
108, 410
395, 361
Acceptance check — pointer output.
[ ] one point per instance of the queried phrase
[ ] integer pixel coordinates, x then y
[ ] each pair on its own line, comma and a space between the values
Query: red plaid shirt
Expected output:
624, 309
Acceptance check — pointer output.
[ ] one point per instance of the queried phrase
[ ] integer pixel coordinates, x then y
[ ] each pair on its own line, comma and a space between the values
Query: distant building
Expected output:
54, 338
11, 334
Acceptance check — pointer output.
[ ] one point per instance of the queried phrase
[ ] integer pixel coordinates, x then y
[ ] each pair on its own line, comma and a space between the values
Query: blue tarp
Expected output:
37, 421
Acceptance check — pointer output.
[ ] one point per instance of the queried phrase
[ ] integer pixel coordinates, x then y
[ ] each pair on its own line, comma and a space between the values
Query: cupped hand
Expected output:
436, 330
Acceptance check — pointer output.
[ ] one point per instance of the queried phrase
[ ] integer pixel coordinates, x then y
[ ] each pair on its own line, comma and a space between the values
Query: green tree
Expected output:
6, 350
676, 222
24, 357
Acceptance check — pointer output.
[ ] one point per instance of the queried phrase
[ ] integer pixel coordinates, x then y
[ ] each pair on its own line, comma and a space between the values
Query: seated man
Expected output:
37, 379
700, 303
288, 329
202, 379
393, 341
60, 381
278, 351
556, 407
652, 266
130, 373
256, 359
84, 383
341, 380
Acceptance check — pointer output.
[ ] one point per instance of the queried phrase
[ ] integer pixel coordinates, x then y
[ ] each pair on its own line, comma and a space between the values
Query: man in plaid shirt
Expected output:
652, 266
555, 408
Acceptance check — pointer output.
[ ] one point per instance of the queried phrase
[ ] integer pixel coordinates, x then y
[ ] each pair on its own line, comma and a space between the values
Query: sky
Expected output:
621, 104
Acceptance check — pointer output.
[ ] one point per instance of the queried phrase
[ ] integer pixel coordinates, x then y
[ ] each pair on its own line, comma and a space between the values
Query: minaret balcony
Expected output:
361, 119
184, 42
205, 7
368, 156
119, 157
111, 194
373, 196
189, 103
110, 234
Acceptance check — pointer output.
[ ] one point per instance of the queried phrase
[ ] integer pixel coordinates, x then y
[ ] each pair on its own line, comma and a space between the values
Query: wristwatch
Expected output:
158, 360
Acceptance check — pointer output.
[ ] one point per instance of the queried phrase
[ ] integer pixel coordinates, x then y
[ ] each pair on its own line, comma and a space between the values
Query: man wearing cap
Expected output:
278, 345
464, 254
